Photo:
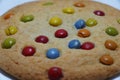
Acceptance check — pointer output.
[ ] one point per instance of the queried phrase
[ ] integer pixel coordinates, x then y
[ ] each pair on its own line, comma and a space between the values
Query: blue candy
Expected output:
74, 44
53, 53
80, 24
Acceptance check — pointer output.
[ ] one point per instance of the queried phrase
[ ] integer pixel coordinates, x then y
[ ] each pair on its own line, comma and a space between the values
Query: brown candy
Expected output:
106, 59
83, 33
79, 4
109, 44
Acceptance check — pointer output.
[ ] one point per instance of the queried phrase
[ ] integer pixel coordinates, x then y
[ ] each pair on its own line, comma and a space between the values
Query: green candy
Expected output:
111, 31
48, 3
27, 18
8, 43
91, 22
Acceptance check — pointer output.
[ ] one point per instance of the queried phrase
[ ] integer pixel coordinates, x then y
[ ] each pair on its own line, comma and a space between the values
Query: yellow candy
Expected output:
91, 22
68, 10
11, 30
55, 21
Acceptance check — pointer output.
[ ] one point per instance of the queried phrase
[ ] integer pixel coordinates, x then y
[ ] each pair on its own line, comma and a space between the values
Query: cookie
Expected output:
60, 40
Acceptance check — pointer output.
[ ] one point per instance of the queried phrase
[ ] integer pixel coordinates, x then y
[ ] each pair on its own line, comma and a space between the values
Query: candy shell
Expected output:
74, 44
52, 53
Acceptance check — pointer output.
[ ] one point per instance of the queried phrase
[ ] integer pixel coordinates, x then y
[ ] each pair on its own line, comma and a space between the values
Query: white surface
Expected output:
5, 5
2, 77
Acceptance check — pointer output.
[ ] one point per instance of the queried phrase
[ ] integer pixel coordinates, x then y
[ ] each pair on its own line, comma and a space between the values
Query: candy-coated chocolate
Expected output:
42, 39
8, 43
11, 30
110, 44
80, 24
118, 21
55, 73
48, 3
28, 51
55, 21
79, 4
61, 33
111, 31
69, 10
27, 18
99, 13
83, 33
74, 44
53, 53
106, 59
87, 46
91, 22
7, 16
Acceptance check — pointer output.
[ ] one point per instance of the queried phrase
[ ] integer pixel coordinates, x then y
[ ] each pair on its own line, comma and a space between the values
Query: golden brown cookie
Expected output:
60, 40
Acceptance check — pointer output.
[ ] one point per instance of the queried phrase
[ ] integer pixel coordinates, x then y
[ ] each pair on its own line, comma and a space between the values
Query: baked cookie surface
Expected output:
60, 40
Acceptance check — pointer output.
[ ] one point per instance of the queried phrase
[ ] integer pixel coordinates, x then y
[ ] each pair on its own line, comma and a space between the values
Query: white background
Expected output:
5, 5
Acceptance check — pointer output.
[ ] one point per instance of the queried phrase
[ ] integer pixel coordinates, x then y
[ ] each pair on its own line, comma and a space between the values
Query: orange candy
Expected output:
109, 44
106, 59
83, 33
9, 15
79, 4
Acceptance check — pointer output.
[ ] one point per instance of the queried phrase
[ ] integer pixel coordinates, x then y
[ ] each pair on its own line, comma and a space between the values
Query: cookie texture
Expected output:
60, 40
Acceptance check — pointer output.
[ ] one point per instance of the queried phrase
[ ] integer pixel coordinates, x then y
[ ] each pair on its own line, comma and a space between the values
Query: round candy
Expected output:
99, 13
27, 18
118, 21
74, 44
55, 21
55, 73
80, 24
48, 3
109, 44
79, 4
87, 46
91, 22
7, 16
111, 31
28, 51
69, 10
61, 33
11, 30
106, 59
42, 39
53, 53
8, 43
83, 33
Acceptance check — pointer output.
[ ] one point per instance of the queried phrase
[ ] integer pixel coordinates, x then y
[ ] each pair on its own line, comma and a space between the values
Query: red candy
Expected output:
42, 39
99, 13
55, 73
28, 51
61, 33
87, 46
